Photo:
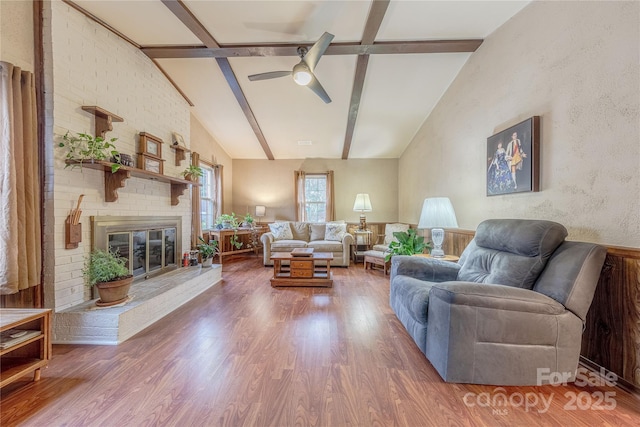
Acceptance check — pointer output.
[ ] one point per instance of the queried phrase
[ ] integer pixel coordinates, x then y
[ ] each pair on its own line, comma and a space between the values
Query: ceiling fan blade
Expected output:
269, 75
317, 88
313, 55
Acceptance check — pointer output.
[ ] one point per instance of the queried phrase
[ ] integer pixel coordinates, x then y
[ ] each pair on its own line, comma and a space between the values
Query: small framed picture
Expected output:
150, 144
513, 159
150, 163
177, 139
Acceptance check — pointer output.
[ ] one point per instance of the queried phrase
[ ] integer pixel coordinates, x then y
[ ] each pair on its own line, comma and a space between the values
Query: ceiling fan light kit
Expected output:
301, 74
303, 71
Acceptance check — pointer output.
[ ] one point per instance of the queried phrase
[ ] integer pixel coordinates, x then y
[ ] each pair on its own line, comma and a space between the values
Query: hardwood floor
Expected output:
244, 353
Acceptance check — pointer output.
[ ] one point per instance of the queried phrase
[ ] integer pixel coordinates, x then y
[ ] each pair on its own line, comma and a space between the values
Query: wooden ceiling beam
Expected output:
180, 10
354, 104
232, 80
374, 20
382, 48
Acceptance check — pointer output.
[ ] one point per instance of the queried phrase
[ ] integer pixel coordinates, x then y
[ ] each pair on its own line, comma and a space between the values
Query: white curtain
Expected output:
20, 240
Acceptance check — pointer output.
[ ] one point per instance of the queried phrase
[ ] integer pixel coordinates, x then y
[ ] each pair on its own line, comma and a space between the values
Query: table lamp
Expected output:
362, 205
260, 212
437, 213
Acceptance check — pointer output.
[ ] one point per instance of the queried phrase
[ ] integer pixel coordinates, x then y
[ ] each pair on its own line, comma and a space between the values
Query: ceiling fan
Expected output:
303, 71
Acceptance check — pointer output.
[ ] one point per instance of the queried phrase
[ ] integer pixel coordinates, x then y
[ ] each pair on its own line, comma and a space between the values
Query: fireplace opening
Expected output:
150, 244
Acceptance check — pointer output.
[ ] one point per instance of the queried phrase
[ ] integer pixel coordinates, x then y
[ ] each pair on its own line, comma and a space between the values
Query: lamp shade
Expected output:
260, 211
362, 204
437, 212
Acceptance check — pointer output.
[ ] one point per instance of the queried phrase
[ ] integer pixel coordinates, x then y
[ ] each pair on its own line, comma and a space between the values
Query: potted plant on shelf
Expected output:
83, 147
247, 220
192, 173
207, 251
226, 221
108, 272
406, 243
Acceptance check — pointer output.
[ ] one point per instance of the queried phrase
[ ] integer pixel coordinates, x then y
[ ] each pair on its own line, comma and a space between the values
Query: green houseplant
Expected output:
192, 172
248, 220
207, 251
83, 147
406, 243
227, 221
108, 272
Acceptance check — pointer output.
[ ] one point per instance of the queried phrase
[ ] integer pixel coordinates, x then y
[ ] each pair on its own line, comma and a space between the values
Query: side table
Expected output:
361, 243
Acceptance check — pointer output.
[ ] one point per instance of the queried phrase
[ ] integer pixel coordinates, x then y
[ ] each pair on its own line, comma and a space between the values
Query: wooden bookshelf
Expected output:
29, 355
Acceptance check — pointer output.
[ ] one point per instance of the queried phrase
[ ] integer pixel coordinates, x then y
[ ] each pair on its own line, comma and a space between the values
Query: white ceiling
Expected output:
399, 92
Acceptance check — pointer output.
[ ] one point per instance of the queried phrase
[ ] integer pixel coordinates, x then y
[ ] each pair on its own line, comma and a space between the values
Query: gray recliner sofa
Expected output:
510, 312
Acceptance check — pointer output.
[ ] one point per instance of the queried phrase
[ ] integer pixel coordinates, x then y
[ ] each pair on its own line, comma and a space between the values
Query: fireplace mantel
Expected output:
115, 180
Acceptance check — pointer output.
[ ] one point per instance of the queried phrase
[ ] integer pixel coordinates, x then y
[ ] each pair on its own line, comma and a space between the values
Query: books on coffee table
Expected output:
302, 252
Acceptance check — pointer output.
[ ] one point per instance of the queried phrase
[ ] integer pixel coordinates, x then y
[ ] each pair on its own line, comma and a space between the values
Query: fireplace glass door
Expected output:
146, 251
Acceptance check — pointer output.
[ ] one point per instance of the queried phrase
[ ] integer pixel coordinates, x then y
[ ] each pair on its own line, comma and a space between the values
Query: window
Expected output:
315, 203
207, 197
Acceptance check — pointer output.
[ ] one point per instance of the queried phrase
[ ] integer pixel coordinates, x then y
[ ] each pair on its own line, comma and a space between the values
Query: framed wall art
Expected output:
177, 139
513, 159
150, 163
150, 144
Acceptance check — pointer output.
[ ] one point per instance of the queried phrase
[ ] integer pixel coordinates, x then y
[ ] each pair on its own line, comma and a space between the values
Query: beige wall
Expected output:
575, 64
270, 183
204, 144
16, 33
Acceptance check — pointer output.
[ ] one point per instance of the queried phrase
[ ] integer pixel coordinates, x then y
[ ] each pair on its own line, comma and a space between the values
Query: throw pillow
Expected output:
335, 232
317, 232
300, 231
281, 231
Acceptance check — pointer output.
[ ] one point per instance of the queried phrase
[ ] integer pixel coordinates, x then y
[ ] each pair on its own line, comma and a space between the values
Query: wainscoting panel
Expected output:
612, 332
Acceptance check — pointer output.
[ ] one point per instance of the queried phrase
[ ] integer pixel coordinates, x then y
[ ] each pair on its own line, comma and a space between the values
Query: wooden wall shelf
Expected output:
104, 119
181, 153
116, 180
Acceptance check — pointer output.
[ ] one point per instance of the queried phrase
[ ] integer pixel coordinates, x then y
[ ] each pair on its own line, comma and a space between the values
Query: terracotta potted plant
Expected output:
108, 272
192, 173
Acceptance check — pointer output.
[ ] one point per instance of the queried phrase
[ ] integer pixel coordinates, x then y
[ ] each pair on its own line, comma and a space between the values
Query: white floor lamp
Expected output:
437, 213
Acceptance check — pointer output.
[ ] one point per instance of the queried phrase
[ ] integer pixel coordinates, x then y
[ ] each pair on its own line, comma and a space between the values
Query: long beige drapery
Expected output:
20, 241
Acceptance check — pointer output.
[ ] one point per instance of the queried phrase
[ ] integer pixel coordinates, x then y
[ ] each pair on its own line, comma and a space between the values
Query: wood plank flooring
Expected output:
246, 354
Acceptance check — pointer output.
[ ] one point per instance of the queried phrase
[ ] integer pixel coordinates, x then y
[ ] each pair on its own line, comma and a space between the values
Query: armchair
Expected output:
389, 229
515, 303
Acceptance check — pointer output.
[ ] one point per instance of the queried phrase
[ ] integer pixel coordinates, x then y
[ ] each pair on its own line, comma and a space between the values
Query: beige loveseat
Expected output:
308, 235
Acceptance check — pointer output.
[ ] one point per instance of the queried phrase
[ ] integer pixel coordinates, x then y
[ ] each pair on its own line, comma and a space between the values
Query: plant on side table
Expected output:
230, 222
83, 147
108, 272
208, 250
247, 220
406, 243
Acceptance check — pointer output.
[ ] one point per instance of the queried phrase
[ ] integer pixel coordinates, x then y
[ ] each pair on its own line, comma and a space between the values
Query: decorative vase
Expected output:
114, 292
207, 262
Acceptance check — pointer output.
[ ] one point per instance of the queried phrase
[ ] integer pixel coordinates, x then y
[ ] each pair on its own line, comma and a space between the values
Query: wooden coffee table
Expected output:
314, 270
